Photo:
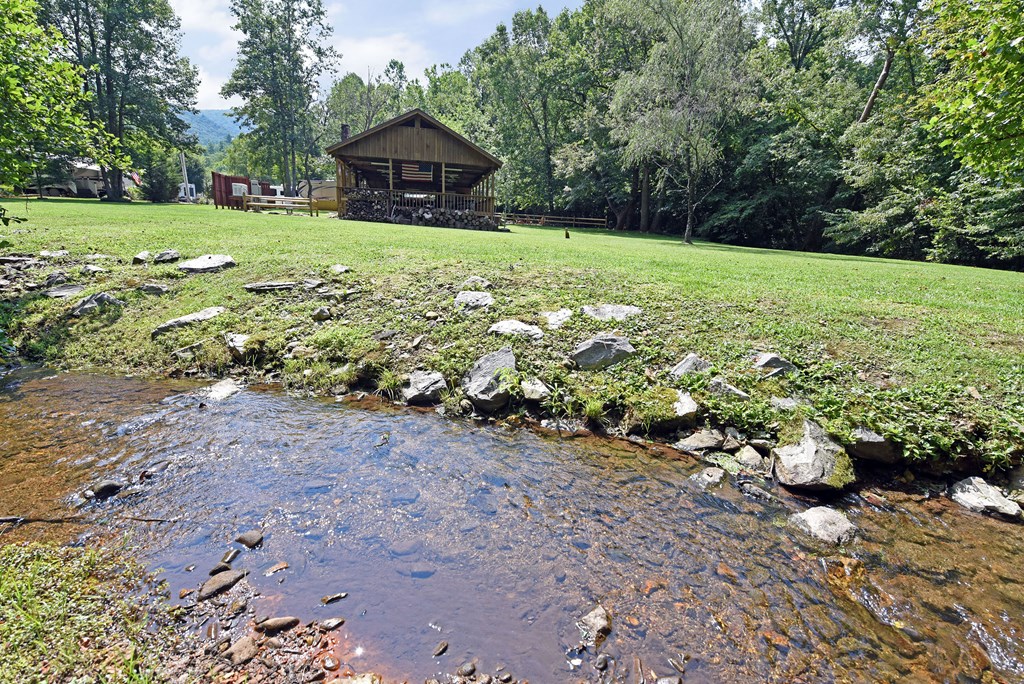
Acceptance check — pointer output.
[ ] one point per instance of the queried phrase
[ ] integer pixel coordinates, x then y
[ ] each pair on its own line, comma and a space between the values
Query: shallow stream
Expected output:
497, 541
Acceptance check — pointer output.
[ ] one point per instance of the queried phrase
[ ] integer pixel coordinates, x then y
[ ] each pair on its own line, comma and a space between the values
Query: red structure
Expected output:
223, 190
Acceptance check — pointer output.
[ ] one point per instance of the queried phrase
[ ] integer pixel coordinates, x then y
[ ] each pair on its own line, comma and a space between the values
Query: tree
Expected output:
672, 111
978, 97
138, 82
281, 57
41, 97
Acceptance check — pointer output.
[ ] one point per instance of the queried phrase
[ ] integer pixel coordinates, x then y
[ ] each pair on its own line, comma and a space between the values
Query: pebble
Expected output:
331, 624
229, 556
250, 539
219, 568
466, 670
602, 662
331, 598
441, 648
278, 624
331, 663
219, 583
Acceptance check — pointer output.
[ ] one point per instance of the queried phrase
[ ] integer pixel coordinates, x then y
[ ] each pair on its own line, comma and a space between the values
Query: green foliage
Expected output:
343, 343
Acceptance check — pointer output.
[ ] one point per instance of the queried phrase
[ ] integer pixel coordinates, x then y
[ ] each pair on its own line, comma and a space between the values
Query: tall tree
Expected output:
281, 57
138, 82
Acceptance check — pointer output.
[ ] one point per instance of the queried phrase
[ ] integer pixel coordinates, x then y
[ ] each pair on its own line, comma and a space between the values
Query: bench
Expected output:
289, 204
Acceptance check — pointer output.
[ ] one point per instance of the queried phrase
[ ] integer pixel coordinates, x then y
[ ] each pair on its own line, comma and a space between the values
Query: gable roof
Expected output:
338, 148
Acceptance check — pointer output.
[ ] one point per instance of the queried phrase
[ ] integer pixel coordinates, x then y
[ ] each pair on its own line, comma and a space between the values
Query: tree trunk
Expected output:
659, 211
879, 84
645, 200
688, 235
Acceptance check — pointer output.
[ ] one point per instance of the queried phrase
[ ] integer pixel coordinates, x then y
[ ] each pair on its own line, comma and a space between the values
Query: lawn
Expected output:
930, 355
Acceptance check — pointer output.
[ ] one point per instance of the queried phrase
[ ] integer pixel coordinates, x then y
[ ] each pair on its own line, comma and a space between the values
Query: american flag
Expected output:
135, 177
423, 173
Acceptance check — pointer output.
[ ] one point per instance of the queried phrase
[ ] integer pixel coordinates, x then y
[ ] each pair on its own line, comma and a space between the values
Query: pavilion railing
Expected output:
415, 199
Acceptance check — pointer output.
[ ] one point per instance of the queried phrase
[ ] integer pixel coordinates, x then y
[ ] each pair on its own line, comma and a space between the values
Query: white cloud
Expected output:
209, 92
374, 53
457, 12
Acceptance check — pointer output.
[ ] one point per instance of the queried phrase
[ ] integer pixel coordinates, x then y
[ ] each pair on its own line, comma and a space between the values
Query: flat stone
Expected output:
721, 387
487, 384
235, 342
331, 624
534, 389
220, 583
104, 489
64, 291
701, 440
220, 391
242, 651
94, 302
140, 258
708, 477
612, 312
167, 256
188, 352
208, 263
771, 362
250, 539
55, 278
685, 408
270, 286
53, 253
190, 319
817, 463
979, 496
89, 269
153, 289
826, 524
338, 269
475, 283
595, 626
691, 363
469, 300
516, 329
871, 446
556, 319
277, 624
425, 387
602, 351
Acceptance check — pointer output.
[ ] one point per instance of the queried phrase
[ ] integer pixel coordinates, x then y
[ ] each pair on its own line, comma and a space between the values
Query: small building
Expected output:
411, 167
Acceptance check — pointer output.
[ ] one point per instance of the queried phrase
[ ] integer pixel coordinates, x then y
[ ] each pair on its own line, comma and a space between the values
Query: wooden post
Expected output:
444, 197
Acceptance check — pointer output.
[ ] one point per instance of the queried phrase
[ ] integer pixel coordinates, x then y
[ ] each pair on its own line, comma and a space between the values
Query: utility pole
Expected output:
184, 176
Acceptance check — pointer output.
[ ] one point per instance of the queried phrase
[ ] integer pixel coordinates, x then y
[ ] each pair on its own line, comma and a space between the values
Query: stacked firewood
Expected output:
366, 204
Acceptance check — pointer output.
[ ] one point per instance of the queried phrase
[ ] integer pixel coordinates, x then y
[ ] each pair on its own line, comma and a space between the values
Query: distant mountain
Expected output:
212, 126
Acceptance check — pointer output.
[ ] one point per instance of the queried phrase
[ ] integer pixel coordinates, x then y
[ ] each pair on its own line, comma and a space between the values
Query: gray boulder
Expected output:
773, 362
701, 440
470, 300
208, 263
979, 496
691, 363
167, 256
685, 409
602, 351
185, 321
751, 459
488, 383
64, 291
424, 387
871, 446
534, 390
556, 319
235, 342
708, 477
516, 329
721, 387
321, 313
475, 283
94, 302
612, 312
140, 258
153, 289
816, 463
826, 524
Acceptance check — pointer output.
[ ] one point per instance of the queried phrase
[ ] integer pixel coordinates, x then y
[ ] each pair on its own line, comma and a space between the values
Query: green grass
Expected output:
887, 344
64, 615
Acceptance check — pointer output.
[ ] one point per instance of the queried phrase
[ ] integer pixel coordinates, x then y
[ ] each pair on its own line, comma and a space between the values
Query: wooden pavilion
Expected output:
415, 161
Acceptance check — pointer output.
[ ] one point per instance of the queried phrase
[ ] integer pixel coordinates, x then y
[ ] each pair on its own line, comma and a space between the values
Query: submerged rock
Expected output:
602, 351
871, 446
208, 263
250, 539
691, 363
488, 383
516, 329
816, 463
826, 524
595, 626
612, 312
220, 583
469, 300
556, 319
190, 319
94, 302
104, 490
977, 495
220, 391
425, 387
708, 477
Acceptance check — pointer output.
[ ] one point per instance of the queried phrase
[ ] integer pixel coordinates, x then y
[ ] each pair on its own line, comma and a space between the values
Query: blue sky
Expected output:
368, 34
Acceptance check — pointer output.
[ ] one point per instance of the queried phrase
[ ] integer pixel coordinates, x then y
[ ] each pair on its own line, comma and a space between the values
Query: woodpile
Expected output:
372, 205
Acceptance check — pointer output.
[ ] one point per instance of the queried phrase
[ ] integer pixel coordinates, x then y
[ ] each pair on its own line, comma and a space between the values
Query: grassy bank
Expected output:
928, 355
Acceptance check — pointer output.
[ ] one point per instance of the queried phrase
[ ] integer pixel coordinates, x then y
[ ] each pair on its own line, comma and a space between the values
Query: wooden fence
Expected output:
554, 221
414, 199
